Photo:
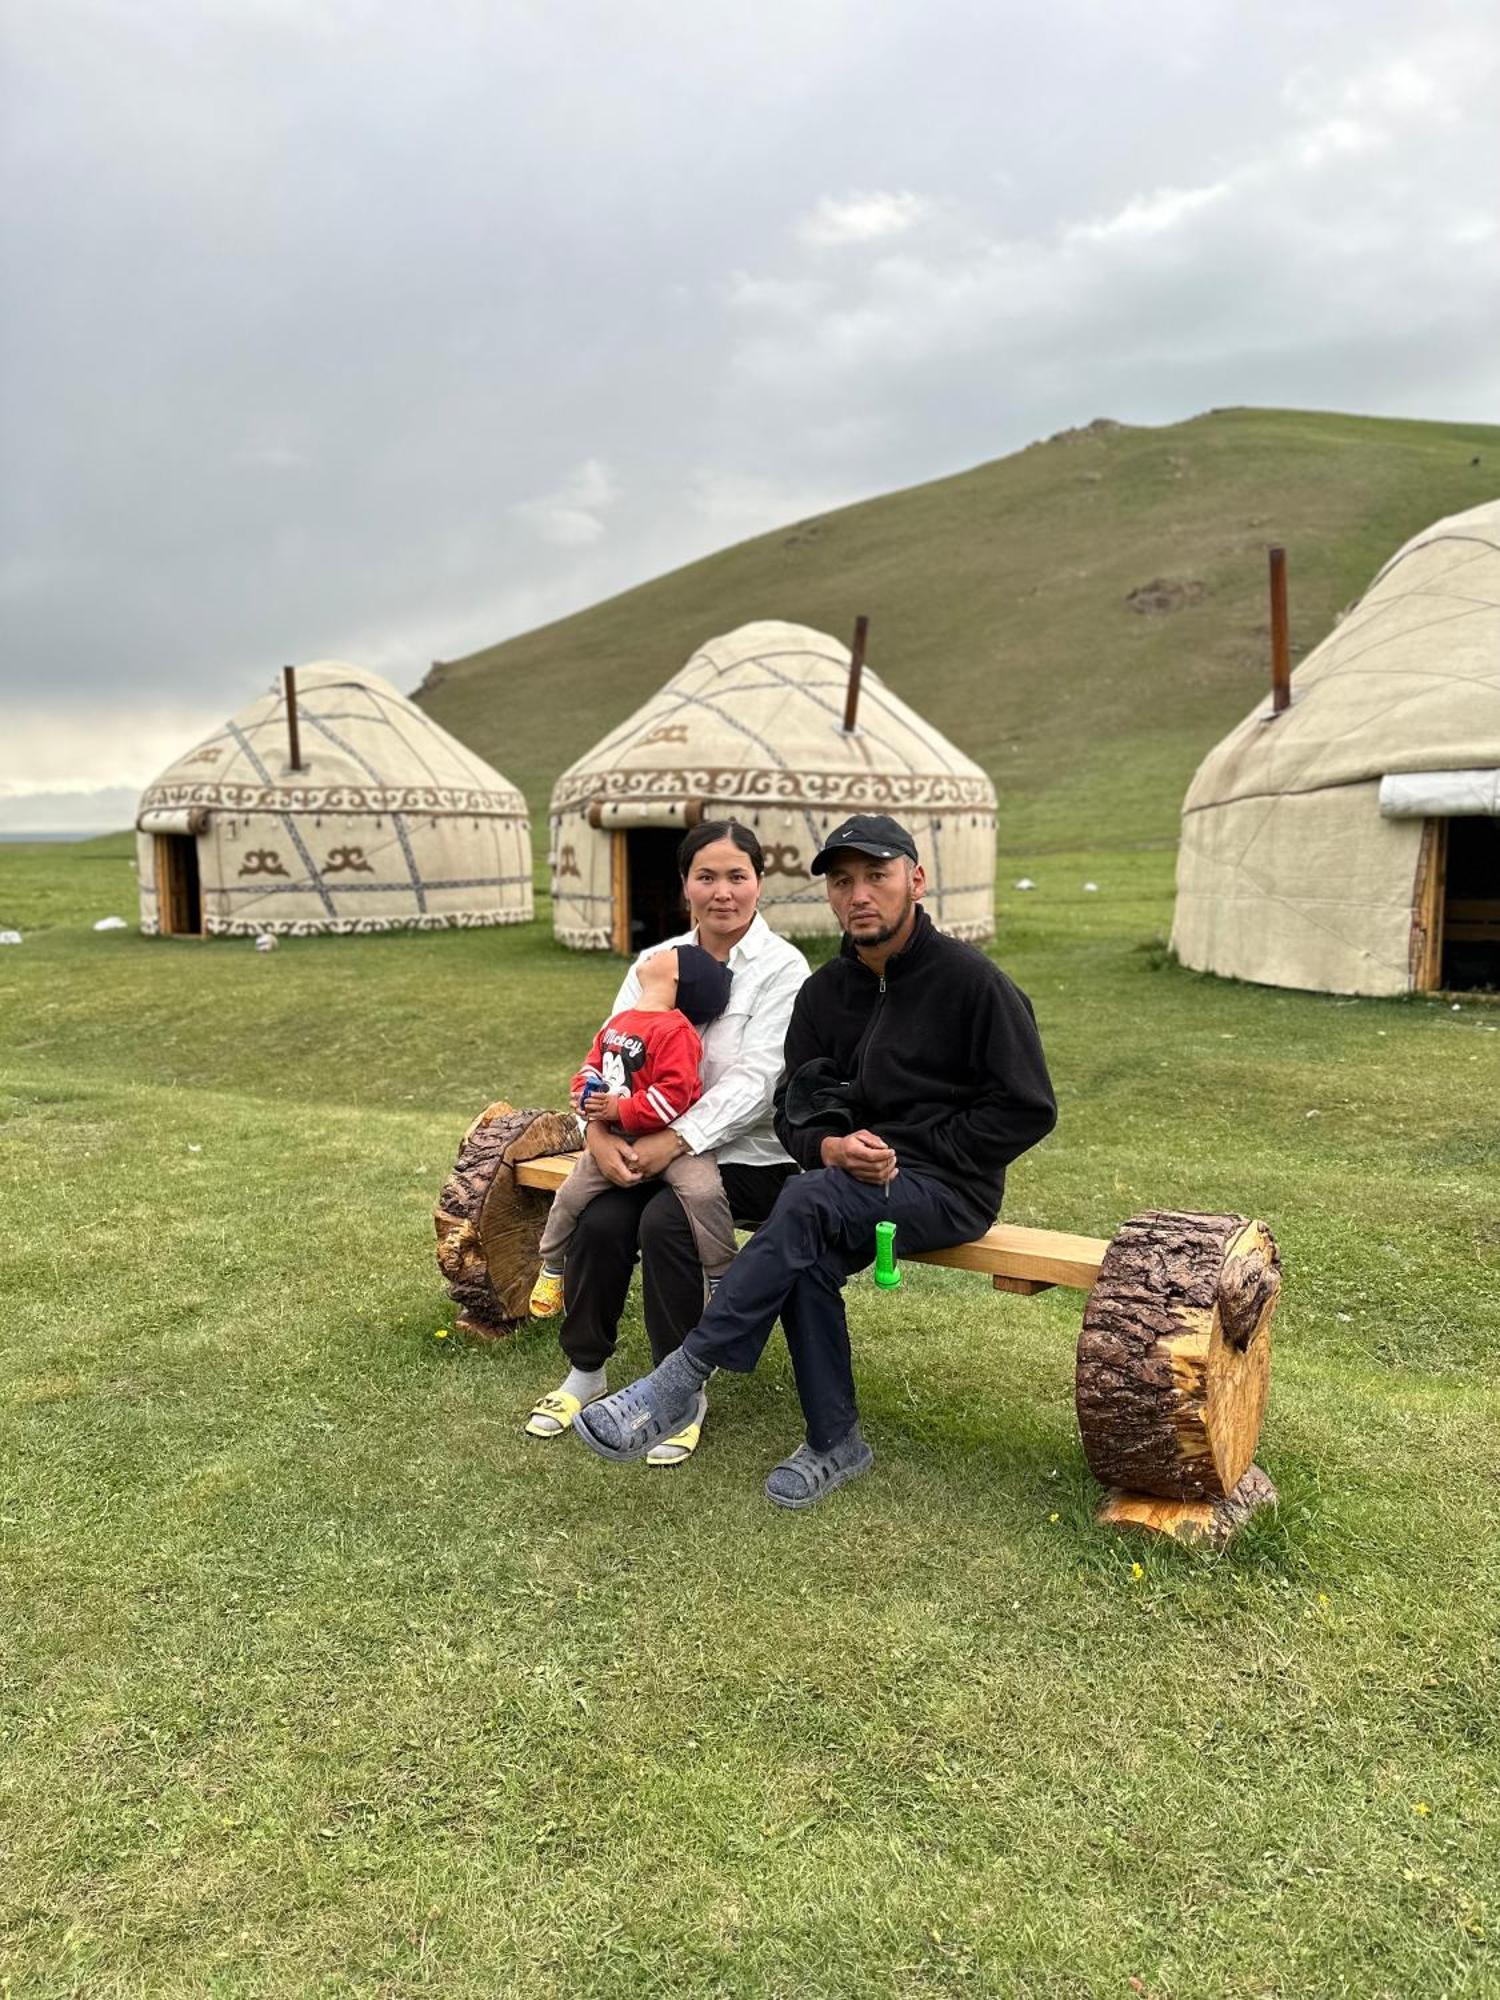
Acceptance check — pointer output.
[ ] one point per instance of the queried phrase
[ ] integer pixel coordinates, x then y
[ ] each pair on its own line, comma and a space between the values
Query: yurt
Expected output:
753, 729
331, 804
1351, 844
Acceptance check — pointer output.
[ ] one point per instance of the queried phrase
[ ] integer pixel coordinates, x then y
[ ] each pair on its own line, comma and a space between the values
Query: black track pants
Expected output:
821, 1229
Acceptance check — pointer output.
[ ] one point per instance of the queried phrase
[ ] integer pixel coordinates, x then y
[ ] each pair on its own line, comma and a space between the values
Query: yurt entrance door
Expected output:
179, 899
1471, 904
647, 892
1457, 931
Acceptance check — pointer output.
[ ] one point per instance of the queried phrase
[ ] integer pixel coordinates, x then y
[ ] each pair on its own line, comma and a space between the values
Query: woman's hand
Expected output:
864, 1156
655, 1152
615, 1157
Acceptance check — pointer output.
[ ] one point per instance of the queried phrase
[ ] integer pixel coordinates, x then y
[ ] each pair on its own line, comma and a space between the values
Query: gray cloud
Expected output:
337, 329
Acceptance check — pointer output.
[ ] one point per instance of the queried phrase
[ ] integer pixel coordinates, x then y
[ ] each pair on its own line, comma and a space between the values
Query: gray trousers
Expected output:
692, 1177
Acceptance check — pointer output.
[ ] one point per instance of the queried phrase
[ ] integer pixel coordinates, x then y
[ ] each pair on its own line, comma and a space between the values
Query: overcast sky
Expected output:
382, 332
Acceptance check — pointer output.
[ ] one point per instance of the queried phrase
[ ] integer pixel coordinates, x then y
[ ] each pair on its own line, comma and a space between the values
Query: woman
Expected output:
721, 865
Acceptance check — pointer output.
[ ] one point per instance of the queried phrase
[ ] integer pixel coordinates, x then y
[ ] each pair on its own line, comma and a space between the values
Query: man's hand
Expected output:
601, 1104
655, 1152
863, 1155
614, 1156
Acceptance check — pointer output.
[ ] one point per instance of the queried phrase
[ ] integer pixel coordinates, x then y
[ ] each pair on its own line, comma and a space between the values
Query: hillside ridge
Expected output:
1085, 617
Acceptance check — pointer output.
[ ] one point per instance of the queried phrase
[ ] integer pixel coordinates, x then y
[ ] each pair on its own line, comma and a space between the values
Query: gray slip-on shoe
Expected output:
808, 1476
627, 1424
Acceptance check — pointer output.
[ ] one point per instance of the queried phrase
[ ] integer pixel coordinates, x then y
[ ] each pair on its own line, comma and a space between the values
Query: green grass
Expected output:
315, 1677
997, 601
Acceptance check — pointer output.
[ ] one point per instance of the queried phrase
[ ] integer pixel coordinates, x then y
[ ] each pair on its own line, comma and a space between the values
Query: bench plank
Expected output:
1035, 1257
547, 1172
1040, 1256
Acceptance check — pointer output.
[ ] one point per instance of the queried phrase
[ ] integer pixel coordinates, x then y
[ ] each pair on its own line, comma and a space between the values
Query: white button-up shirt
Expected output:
741, 1049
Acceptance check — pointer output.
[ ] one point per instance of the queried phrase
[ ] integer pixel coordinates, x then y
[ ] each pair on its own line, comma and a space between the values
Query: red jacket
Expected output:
652, 1061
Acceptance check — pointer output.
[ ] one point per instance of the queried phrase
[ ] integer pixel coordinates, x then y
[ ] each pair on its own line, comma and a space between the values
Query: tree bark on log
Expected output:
1175, 1355
488, 1228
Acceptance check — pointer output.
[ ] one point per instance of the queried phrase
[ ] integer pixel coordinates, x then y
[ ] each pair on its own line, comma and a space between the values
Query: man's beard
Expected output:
886, 931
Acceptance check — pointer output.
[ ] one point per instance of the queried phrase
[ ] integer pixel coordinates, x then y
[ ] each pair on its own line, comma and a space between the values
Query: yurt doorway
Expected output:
1471, 904
179, 896
647, 890
1457, 929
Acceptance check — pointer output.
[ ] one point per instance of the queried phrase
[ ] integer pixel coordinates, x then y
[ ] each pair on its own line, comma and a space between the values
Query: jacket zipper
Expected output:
863, 1051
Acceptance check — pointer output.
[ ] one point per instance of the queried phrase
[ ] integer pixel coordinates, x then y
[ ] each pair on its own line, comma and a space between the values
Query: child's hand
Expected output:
601, 1104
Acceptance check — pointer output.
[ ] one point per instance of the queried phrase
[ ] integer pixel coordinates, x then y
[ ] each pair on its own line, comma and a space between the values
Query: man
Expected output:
913, 1075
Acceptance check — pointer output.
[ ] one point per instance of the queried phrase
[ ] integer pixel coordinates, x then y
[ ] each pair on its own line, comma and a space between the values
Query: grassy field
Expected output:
998, 605
318, 1678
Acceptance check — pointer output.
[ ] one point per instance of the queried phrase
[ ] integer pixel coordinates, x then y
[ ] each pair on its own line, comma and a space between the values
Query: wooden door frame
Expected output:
619, 893
1426, 952
173, 892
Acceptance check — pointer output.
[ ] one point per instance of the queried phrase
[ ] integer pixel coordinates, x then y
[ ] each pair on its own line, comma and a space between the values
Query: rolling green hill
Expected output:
998, 601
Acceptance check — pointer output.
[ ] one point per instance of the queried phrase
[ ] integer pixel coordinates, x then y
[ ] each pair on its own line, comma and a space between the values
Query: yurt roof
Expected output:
364, 747
766, 703
1409, 680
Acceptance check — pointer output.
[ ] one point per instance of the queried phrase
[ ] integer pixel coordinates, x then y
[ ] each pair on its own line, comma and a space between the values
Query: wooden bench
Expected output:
1024, 1261
1173, 1364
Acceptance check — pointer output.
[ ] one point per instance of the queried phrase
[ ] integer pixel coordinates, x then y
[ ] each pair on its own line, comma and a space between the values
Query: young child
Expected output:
641, 1074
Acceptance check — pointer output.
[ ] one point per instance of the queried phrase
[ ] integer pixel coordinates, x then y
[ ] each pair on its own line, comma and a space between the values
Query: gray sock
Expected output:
584, 1383
684, 1367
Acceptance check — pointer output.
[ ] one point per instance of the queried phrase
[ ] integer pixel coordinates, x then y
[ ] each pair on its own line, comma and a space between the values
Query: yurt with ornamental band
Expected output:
331, 804
788, 731
1347, 840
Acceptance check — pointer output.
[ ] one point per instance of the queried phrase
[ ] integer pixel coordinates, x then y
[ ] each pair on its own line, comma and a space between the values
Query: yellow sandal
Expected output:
554, 1414
546, 1296
680, 1446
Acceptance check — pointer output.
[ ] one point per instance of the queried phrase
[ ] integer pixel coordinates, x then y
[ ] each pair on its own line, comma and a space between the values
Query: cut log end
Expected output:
488, 1227
1174, 1360
1214, 1521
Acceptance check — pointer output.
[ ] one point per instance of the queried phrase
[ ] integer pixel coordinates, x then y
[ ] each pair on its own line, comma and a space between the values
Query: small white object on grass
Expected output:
111, 924
265, 942
1091, 888
10, 937
1025, 883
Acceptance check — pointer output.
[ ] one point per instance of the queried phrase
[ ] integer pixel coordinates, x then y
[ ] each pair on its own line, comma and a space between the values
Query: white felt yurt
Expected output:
1352, 843
751, 729
385, 821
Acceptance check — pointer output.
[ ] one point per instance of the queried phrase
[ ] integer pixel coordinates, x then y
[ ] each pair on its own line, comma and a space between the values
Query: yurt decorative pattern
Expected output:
1335, 846
387, 823
752, 729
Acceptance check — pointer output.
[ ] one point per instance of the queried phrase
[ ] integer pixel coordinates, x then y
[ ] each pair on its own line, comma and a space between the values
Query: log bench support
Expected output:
1173, 1362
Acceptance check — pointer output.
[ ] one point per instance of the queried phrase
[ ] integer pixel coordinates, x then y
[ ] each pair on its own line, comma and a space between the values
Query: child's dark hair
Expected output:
710, 830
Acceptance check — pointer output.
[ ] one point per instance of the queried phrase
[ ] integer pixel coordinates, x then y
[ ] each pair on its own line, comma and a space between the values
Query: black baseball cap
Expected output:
874, 834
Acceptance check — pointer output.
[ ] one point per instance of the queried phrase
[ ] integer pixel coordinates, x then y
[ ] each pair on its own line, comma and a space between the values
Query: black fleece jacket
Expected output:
943, 1054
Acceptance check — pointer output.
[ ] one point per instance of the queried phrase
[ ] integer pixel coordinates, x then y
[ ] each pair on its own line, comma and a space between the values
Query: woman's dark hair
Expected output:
710, 830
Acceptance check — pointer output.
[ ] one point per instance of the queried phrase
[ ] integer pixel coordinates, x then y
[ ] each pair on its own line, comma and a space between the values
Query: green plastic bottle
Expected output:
887, 1270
